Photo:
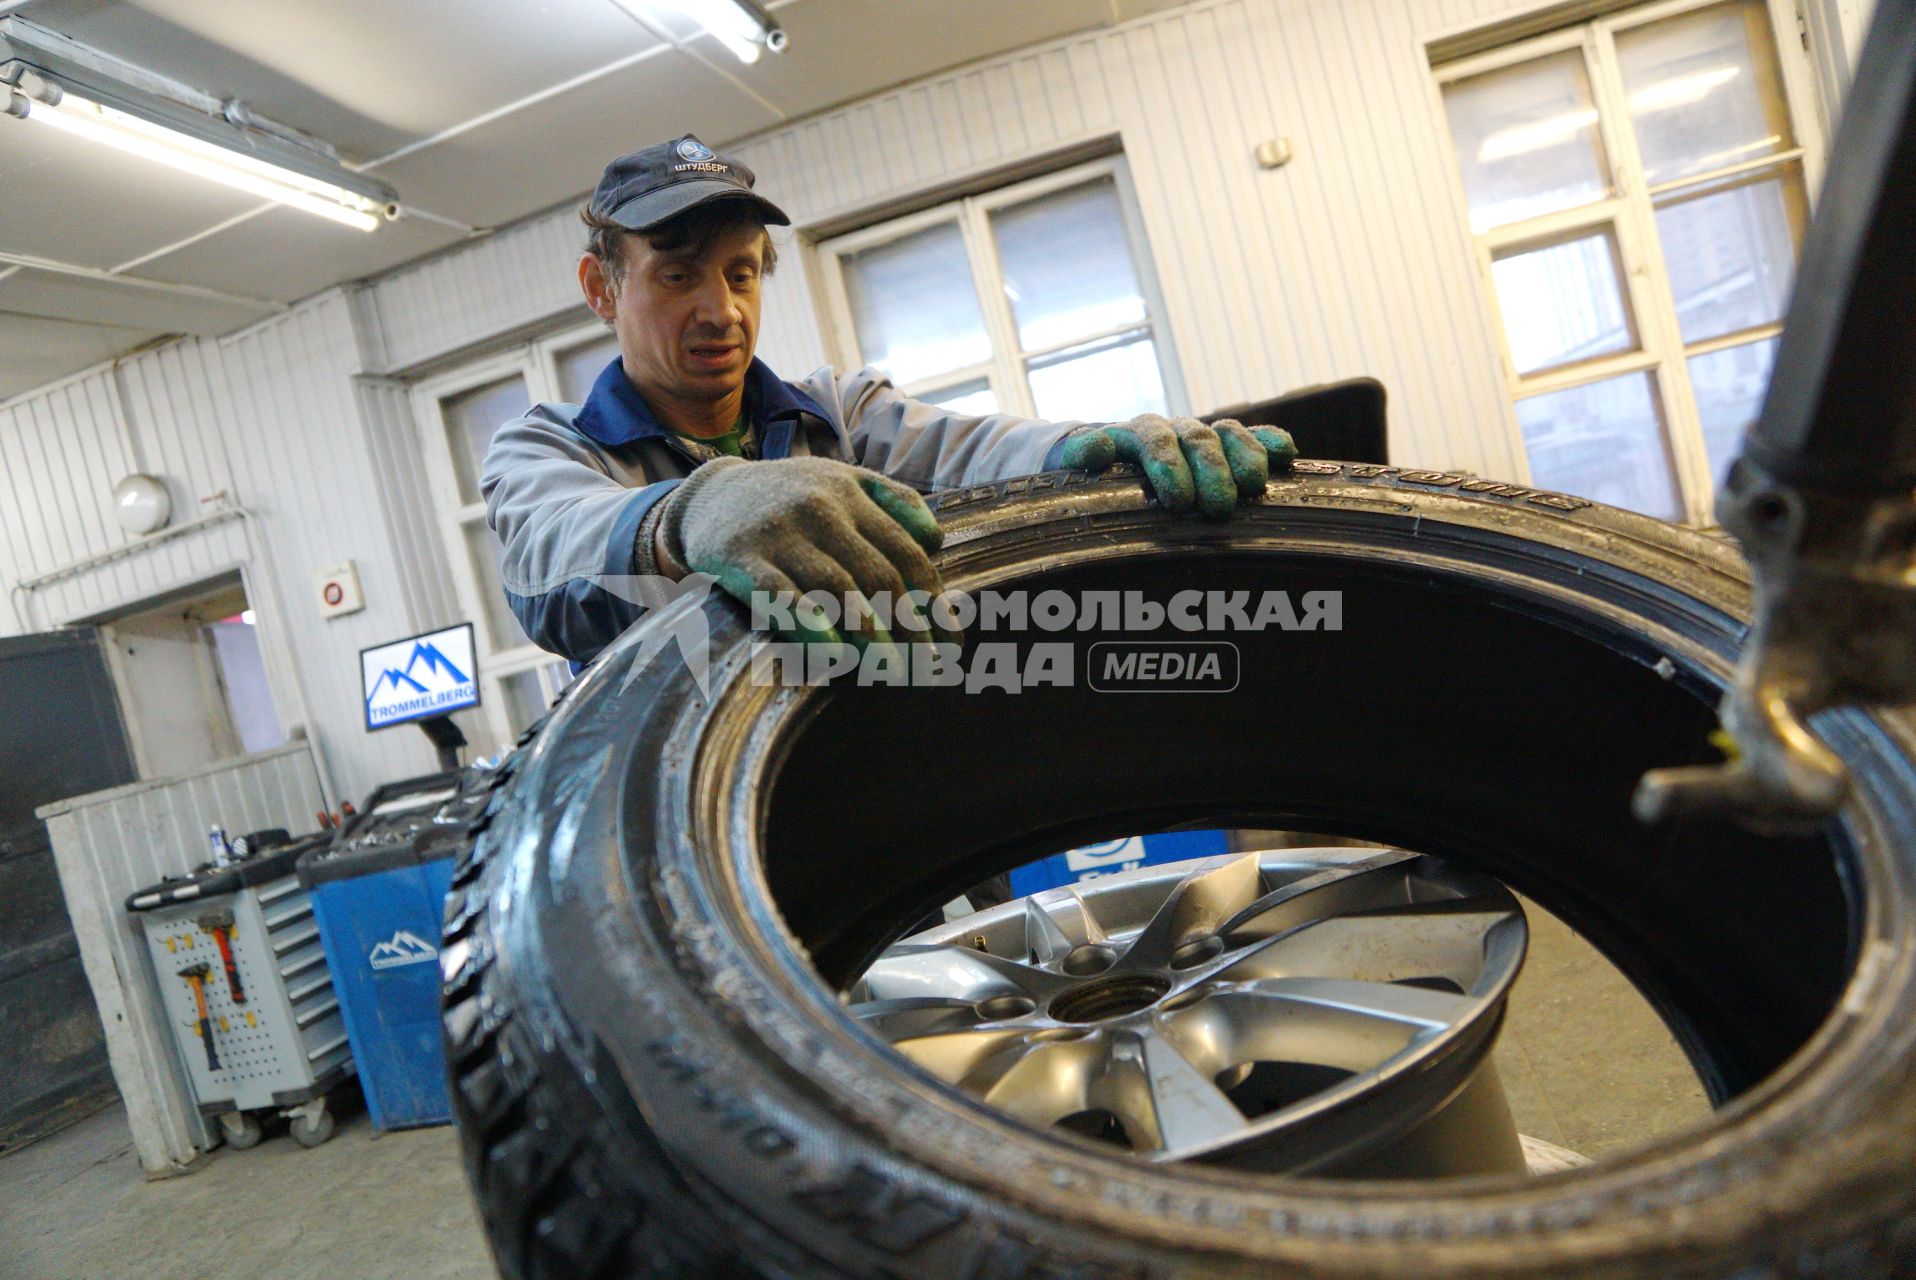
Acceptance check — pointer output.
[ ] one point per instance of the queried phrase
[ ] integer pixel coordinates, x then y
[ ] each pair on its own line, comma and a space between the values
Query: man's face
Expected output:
686, 326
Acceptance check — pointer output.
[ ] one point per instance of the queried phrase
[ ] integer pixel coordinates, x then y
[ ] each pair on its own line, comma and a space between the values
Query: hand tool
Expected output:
220, 925
195, 975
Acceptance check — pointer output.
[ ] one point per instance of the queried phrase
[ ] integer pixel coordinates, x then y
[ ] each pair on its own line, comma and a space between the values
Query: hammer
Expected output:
195, 975
220, 925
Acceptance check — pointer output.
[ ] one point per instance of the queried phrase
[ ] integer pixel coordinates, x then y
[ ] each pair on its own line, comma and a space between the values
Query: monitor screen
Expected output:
419, 677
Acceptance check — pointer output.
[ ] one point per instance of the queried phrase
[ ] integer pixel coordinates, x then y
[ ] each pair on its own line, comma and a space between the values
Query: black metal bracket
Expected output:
1823, 498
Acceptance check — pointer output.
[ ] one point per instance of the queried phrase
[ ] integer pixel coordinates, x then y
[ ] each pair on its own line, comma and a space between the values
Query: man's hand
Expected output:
795, 525
1185, 462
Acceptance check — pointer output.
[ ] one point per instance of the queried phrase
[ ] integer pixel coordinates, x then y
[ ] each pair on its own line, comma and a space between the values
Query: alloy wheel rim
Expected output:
1279, 1011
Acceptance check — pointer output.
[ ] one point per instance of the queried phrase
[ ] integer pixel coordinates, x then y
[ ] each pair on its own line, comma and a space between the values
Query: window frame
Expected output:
1629, 212
1005, 372
536, 364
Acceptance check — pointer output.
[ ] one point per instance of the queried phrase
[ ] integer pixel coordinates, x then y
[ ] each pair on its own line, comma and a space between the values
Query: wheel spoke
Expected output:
903, 1018
1198, 906
1047, 940
1040, 1083
1446, 939
1416, 1007
955, 1056
1379, 881
1167, 1103
913, 969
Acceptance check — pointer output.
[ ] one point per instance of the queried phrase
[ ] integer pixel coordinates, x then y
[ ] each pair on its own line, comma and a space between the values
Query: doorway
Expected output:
191, 678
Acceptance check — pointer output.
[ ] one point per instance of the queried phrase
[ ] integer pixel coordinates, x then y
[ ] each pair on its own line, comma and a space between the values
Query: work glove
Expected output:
1185, 461
806, 524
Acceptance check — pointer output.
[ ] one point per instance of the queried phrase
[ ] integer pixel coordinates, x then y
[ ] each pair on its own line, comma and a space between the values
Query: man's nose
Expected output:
719, 305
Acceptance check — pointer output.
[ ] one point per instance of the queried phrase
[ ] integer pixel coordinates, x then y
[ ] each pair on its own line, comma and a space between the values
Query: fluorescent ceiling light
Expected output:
739, 25
62, 84
90, 120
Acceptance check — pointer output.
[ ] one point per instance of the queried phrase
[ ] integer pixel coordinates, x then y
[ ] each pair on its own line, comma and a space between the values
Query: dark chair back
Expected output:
1340, 421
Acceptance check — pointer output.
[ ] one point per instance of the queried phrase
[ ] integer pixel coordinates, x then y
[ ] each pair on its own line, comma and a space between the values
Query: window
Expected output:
1034, 299
458, 414
1637, 189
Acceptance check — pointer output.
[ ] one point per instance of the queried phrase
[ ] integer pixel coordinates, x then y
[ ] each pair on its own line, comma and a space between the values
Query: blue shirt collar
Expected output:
615, 413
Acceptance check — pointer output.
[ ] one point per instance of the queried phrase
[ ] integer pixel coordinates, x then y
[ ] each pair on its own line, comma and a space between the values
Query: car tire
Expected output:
652, 1075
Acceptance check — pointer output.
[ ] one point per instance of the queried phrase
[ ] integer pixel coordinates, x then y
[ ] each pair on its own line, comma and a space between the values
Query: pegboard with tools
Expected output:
243, 977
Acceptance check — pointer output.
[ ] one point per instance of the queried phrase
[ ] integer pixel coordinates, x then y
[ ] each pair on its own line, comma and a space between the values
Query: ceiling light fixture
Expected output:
60, 83
740, 25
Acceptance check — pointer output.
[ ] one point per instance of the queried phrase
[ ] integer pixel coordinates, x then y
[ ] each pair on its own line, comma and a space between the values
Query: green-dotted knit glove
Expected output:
1186, 462
805, 524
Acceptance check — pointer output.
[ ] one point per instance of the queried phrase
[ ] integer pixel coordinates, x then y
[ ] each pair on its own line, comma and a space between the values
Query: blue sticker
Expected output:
692, 149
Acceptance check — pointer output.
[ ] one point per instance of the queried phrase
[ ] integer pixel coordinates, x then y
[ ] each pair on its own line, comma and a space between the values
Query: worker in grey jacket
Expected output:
689, 454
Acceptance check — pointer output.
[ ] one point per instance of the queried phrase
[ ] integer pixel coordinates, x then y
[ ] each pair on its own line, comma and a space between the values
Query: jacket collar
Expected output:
615, 413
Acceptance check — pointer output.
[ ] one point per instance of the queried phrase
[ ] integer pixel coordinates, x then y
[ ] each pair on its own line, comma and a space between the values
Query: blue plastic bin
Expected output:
379, 897
1093, 860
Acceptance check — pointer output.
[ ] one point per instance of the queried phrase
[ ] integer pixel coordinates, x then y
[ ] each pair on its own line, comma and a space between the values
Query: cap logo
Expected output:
694, 150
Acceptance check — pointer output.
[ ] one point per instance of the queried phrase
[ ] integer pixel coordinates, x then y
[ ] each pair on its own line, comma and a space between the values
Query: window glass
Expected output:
1564, 302
914, 307
1604, 441
1067, 265
580, 366
1731, 254
1730, 385
1099, 382
974, 397
1703, 90
525, 699
485, 554
471, 417
1527, 139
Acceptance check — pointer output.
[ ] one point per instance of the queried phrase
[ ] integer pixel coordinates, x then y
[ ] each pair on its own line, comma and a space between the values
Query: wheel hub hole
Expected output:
1084, 961
1004, 1008
1197, 951
1109, 998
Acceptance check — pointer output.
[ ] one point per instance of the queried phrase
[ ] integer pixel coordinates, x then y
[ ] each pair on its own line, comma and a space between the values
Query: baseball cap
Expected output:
641, 190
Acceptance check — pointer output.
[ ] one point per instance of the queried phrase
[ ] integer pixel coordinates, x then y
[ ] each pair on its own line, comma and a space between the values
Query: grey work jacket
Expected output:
566, 486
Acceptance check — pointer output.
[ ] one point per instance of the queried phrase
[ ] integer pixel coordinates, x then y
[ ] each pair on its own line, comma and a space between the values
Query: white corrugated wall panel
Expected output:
270, 418
399, 470
520, 277
110, 844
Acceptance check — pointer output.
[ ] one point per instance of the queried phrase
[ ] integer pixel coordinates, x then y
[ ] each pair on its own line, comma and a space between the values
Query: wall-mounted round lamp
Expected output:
142, 504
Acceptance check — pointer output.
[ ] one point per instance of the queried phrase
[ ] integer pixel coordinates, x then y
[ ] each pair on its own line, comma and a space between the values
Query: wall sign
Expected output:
419, 677
338, 589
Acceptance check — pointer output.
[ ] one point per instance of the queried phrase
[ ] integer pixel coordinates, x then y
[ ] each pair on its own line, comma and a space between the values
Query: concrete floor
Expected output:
364, 1206
1584, 1061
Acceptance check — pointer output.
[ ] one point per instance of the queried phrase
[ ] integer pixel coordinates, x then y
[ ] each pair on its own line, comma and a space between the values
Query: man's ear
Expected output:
596, 284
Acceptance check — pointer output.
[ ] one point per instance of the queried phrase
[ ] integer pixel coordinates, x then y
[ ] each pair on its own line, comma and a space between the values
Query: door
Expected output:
60, 736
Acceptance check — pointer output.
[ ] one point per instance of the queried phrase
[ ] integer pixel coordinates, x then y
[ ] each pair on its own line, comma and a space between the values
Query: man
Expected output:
691, 455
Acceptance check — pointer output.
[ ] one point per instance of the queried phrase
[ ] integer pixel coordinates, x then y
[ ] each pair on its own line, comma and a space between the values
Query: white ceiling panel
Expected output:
554, 149
844, 49
122, 304
88, 204
368, 76
35, 350
376, 77
286, 255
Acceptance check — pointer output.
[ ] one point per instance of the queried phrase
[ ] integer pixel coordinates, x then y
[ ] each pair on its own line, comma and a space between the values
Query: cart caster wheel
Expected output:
240, 1130
310, 1131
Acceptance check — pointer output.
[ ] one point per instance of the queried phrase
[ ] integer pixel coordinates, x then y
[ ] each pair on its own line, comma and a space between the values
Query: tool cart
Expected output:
379, 892
244, 982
